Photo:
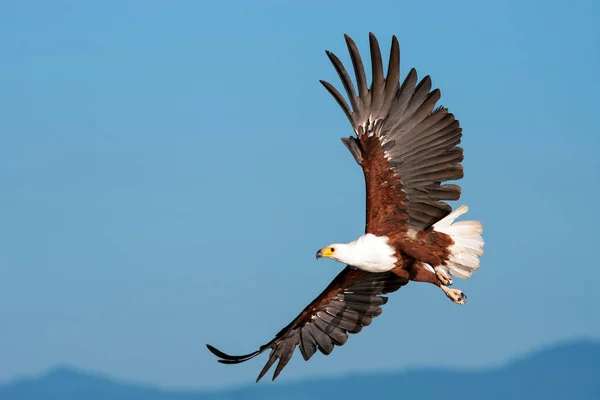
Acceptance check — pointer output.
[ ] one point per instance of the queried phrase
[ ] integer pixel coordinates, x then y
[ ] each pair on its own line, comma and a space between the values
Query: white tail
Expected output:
468, 243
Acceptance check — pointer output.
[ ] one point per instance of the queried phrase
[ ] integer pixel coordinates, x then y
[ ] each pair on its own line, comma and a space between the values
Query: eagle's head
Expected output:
327, 252
344, 253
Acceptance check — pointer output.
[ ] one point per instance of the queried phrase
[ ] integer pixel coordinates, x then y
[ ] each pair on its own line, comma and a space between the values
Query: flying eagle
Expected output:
406, 147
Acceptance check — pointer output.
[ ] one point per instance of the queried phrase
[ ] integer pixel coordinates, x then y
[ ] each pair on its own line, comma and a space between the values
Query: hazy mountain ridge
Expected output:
566, 371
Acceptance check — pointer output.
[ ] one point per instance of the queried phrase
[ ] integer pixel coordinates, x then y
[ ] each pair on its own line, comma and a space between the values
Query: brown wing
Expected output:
406, 148
350, 302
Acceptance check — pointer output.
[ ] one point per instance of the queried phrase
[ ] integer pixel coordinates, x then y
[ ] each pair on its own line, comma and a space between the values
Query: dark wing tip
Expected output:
373, 42
228, 359
333, 58
395, 45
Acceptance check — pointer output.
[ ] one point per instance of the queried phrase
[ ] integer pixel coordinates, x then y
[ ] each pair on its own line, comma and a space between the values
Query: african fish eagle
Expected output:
407, 148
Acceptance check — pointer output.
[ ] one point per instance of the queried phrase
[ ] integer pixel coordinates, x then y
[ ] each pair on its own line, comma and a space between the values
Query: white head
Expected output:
338, 252
368, 252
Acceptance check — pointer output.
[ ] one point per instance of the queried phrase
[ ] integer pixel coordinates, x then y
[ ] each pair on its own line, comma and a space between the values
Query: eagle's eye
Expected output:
332, 249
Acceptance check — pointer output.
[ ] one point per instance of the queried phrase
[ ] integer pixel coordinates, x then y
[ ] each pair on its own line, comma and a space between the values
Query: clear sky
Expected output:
168, 170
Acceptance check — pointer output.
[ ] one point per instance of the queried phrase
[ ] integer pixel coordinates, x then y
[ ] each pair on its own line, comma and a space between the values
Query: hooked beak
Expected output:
319, 253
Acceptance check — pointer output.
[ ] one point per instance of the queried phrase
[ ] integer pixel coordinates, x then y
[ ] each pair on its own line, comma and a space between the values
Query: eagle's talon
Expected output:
456, 295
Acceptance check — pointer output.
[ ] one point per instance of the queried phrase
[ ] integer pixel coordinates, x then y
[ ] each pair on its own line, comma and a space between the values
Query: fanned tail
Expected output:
468, 243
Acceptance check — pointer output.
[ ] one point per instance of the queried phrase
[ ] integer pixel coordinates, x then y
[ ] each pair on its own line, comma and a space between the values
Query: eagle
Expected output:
407, 149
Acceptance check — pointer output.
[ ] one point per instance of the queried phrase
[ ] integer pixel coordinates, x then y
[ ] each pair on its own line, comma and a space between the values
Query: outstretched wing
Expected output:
350, 302
406, 147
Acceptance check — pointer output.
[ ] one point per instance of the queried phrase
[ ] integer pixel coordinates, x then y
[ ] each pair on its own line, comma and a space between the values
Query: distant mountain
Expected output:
568, 371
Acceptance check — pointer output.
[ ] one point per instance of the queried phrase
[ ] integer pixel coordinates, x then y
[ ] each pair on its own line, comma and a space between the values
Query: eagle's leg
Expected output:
443, 274
421, 272
439, 276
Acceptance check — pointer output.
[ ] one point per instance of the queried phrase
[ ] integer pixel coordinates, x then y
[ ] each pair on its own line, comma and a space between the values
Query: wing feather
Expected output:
378, 80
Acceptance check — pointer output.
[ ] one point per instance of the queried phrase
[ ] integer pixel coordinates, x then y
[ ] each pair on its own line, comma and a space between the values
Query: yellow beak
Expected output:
326, 252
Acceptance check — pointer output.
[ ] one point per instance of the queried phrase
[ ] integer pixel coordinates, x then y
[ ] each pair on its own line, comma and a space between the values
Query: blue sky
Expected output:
168, 170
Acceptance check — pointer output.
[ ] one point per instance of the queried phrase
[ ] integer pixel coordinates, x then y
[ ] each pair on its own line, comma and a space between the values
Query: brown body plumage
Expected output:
407, 149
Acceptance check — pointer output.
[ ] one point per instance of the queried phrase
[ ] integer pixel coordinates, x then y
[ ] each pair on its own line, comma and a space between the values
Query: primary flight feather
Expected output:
407, 149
